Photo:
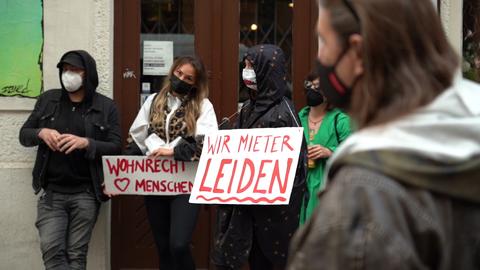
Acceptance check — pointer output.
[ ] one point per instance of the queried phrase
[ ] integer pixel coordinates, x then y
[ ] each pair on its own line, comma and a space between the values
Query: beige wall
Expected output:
68, 25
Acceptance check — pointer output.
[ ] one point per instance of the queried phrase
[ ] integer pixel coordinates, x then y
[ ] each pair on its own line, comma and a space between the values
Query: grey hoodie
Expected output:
405, 195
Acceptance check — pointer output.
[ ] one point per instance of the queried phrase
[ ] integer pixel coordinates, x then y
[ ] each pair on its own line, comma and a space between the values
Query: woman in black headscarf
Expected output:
261, 233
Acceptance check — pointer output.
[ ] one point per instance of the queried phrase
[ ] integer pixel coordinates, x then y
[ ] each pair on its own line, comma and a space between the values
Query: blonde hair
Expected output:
194, 98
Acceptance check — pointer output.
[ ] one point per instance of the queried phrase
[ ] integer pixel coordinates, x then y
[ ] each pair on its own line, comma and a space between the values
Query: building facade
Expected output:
114, 32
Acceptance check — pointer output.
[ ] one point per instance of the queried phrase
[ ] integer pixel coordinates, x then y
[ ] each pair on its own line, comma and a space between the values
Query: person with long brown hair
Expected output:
403, 191
173, 123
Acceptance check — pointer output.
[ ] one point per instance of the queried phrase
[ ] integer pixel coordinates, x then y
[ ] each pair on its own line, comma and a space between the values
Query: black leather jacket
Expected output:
101, 128
102, 125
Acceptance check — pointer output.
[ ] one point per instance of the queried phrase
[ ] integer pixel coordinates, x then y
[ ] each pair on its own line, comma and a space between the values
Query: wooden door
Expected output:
216, 41
132, 245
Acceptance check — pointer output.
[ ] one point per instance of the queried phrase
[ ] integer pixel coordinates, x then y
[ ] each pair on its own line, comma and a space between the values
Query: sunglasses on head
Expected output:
309, 85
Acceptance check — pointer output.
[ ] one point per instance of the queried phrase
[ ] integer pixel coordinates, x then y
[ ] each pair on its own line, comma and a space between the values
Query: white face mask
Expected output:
249, 78
72, 80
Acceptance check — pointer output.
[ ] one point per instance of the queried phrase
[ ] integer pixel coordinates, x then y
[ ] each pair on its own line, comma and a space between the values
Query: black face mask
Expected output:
314, 98
180, 87
335, 91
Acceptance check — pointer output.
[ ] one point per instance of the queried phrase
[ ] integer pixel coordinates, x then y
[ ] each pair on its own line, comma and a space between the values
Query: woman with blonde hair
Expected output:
173, 123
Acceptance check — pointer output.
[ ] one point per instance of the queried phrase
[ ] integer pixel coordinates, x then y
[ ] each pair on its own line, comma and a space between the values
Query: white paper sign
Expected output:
157, 57
247, 166
140, 175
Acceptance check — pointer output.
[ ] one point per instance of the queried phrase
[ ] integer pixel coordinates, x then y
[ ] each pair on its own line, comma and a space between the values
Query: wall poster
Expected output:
21, 39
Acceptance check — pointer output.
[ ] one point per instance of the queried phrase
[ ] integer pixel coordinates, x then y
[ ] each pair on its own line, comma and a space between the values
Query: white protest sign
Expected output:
140, 175
247, 166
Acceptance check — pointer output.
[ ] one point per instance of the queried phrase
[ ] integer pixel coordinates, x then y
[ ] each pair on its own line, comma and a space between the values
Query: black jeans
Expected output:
172, 220
65, 223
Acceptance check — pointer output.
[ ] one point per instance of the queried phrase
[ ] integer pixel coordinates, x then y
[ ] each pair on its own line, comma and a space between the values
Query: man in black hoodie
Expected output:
73, 128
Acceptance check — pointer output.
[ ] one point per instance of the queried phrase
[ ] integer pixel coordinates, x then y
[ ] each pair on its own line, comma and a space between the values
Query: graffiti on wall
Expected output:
21, 42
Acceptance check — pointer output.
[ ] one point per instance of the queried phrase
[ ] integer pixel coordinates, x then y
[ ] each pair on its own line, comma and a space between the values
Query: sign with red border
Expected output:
247, 166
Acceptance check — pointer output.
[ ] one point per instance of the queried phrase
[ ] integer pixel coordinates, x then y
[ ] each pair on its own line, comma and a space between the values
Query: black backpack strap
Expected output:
335, 121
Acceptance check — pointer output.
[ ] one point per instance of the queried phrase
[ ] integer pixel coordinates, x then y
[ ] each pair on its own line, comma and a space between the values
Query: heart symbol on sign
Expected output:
122, 183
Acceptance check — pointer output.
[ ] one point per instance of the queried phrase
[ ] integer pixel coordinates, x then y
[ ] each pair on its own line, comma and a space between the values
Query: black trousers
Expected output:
257, 259
172, 220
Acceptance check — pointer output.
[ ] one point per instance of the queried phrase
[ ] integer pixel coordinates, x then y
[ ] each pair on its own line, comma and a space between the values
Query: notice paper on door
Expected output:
157, 57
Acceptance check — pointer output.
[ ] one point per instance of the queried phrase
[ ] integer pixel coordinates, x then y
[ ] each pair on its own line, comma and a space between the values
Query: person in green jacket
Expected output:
325, 128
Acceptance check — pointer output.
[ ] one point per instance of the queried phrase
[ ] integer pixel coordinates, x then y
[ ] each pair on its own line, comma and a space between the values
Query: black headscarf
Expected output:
270, 68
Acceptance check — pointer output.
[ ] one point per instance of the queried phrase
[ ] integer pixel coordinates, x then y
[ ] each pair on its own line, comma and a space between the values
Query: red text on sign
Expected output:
123, 165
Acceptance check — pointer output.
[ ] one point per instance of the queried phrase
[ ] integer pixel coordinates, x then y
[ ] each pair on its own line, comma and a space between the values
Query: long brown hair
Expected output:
406, 56
194, 98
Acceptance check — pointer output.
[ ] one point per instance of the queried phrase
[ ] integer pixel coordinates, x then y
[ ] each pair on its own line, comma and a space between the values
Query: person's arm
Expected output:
343, 128
189, 149
139, 130
112, 145
132, 148
29, 131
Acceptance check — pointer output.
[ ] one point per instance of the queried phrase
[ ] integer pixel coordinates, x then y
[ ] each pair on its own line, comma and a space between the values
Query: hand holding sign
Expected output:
161, 152
249, 166
106, 193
